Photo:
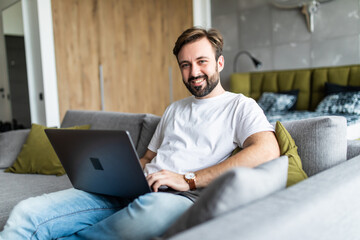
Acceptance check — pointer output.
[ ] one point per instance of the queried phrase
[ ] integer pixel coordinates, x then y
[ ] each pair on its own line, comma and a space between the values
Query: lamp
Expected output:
256, 62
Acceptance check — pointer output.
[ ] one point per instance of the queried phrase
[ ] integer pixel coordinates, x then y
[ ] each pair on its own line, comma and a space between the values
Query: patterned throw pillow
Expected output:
276, 102
342, 103
295, 93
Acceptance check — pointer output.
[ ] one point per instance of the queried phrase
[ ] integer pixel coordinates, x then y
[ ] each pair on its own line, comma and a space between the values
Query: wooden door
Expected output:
132, 40
136, 53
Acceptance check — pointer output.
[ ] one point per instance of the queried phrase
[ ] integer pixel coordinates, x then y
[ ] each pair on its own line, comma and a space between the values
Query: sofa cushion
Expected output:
288, 147
106, 120
37, 155
10, 145
17, 187
234, 189
321, 142
149, 126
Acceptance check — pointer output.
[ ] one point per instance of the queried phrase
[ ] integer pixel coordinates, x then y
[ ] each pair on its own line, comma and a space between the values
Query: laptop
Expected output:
100, 161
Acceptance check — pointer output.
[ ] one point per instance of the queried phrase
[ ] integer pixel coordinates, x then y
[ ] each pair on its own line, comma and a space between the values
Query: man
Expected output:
190, 148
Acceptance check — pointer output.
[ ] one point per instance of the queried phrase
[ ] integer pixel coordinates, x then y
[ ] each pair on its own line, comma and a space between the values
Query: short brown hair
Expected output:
193, 34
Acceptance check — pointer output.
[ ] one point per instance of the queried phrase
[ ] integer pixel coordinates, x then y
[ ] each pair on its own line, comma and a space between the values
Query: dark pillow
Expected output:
332, 88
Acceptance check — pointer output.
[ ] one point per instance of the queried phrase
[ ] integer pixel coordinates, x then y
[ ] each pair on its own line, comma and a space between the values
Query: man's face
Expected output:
199, 69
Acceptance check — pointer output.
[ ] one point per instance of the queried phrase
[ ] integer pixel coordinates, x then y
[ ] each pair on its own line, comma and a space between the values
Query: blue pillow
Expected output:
331, 88
340, 103
276, 102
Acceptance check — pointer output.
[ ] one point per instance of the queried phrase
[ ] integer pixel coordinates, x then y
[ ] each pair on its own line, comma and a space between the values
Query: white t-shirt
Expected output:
197, 133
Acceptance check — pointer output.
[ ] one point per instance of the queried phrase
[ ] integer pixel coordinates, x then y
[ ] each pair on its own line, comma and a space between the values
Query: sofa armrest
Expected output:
10, 146
353, 148
321, 207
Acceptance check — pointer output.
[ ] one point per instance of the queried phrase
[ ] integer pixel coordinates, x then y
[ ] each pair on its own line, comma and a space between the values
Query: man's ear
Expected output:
220, 63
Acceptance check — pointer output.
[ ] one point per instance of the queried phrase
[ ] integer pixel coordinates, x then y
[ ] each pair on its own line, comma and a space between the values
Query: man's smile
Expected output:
198, 82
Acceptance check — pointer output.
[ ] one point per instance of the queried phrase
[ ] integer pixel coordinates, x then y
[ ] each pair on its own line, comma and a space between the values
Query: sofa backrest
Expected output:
309, 82
148, 128
321, 142
140, 126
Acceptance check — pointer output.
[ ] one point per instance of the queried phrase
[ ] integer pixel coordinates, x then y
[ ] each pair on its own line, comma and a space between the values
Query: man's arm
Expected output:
258, 148
149, 155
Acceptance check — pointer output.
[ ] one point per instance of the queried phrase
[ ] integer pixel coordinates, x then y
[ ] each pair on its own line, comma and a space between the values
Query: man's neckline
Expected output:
205, 100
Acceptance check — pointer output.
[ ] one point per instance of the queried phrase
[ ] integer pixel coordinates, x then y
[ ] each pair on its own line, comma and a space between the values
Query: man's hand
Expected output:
164, 177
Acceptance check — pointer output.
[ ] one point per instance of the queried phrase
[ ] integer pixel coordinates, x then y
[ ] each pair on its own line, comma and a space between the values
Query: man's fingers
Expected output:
154, 180
167, 178
156, 185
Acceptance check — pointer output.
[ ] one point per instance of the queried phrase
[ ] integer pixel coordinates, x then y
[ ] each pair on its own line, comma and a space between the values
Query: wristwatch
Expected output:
190, 179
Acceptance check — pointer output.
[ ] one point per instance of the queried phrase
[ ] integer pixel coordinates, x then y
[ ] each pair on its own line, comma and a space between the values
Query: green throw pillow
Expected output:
37, 155
288, 147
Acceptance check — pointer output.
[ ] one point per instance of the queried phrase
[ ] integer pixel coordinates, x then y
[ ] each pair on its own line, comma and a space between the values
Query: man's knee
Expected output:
24, 207
159, 202
25, 211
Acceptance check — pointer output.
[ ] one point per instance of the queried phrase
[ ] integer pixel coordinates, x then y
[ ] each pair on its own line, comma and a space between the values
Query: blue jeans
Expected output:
74, 214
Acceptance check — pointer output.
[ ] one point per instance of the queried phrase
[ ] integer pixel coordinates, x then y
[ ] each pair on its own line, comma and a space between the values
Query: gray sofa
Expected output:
324, 206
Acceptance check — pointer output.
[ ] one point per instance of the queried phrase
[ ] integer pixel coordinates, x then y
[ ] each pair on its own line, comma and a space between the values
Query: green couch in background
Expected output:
310, 82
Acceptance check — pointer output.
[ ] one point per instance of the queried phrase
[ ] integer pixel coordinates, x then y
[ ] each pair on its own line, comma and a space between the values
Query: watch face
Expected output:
190, 175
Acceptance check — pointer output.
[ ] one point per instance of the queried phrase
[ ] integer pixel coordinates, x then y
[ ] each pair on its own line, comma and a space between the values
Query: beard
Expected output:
200, 91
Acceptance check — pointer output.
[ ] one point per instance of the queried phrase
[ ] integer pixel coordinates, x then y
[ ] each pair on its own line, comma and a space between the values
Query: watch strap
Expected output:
191, 183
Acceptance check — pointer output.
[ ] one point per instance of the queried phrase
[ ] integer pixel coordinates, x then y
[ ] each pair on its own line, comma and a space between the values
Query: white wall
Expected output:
12, 20
280, 39
52, 113
202, 13
40, 55
33, 61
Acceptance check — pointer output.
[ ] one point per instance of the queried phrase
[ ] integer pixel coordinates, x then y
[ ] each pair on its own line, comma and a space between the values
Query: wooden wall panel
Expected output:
132, 40
137, 52
178, 21
77, 54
